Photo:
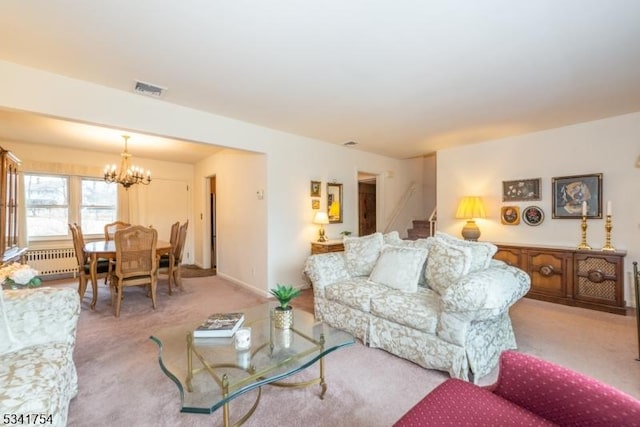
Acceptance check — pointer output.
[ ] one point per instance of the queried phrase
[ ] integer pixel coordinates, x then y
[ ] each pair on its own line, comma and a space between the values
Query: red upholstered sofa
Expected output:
529, 392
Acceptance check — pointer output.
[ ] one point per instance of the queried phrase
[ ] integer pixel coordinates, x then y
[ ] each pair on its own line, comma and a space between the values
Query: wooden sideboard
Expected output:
589, 279
328, 246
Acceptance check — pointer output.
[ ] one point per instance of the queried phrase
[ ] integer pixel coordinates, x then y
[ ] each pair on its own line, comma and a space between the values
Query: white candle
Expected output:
584, 208
609, 210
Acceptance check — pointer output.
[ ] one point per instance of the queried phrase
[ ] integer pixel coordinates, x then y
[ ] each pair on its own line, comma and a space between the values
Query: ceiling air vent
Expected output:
149, 89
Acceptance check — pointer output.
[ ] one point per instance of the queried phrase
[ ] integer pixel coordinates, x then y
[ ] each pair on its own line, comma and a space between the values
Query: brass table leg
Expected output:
189, 362
225, 393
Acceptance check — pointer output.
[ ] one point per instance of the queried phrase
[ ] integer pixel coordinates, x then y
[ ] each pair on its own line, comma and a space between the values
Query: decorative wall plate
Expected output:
532, 215
510, 215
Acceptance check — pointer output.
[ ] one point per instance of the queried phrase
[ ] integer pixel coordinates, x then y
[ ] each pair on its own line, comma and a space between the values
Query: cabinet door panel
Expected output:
512, 256
597, 279
548, 272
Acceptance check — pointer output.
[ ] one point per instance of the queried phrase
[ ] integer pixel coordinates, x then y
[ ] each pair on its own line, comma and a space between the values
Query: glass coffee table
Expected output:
210, 372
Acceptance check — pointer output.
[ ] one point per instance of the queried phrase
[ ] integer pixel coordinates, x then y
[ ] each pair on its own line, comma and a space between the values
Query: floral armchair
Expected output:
37, 338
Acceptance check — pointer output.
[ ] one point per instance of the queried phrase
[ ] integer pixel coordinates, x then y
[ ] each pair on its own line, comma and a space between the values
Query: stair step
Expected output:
414, 234
421, 224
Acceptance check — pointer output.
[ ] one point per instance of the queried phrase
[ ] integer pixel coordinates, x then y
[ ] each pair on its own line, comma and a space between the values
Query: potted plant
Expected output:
283, 314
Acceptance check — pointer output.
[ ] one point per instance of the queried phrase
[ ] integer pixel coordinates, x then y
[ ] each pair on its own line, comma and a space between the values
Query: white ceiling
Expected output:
400, 77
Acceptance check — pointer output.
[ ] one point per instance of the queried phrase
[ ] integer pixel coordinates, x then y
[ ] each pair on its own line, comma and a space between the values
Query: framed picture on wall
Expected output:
521, 190
315, 189
569, 193
510, 215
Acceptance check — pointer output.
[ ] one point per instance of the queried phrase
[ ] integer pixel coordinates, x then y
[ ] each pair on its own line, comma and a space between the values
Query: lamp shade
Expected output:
471, 207
321, 218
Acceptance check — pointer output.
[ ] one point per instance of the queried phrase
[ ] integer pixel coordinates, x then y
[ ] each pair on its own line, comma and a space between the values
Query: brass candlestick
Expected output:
607, 228
583, 243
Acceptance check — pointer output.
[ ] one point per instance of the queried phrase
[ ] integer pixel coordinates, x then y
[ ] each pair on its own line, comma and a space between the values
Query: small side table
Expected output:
325, 247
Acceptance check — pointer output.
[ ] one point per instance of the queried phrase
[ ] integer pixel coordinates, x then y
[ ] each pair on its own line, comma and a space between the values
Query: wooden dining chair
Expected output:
83, 260
165, 259
109, 232
136, 263
175, 258
111, 228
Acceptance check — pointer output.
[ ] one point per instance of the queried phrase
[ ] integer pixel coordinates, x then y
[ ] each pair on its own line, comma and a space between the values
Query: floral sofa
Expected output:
37, 337
440, 302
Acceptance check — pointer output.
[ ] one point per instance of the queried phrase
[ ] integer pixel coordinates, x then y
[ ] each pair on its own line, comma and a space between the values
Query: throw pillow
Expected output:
362, 253
482, 252
446, 265
392, 238
399, 267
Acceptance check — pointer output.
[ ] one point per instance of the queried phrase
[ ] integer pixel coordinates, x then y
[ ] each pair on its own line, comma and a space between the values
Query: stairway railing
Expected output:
433, 221
401, 205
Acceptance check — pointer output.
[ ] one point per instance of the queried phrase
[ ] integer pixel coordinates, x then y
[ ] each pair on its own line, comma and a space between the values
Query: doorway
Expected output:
212, 220
367, 212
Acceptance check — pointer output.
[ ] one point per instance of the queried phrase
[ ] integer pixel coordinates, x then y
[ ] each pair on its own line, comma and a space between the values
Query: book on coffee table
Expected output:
219, 325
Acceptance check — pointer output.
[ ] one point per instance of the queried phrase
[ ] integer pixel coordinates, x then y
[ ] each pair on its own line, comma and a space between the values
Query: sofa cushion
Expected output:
481, 252
399, 267
419, 310
362, 253
459, 403
562, 395
38, 379
8, 343
446, 264
392, 238
355, 293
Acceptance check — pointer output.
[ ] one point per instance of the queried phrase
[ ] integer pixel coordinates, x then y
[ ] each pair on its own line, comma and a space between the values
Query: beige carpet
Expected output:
121, 382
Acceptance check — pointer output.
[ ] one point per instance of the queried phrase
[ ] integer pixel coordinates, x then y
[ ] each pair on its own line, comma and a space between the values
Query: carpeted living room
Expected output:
118, 364
360, 213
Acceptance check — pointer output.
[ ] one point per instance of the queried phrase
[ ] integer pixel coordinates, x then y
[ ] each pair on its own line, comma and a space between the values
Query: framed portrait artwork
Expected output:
315, 189
521, 190
569, 193
510, 215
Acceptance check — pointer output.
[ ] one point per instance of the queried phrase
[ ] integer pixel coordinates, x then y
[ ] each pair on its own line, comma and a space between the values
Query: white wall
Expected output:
291, 162
609, 146
241, 217
46, 158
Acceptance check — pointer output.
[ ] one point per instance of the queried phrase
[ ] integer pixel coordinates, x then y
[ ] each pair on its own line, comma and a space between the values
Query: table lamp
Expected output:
470, 207
321, 218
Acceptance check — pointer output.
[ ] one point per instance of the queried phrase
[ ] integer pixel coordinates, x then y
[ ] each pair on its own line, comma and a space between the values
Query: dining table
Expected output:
107, 249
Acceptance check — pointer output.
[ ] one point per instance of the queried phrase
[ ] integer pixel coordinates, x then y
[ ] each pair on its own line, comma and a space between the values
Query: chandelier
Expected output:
127, 175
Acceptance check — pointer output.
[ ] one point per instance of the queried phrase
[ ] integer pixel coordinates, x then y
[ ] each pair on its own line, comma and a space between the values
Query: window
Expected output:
47, 202
98, 206
54, 201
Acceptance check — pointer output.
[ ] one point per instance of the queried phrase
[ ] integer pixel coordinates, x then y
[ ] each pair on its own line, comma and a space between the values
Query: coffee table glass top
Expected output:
216, 365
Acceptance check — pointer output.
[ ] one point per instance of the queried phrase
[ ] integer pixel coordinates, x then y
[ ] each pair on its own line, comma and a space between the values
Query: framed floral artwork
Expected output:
510, 215
571, 193
315, 189
521, 190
